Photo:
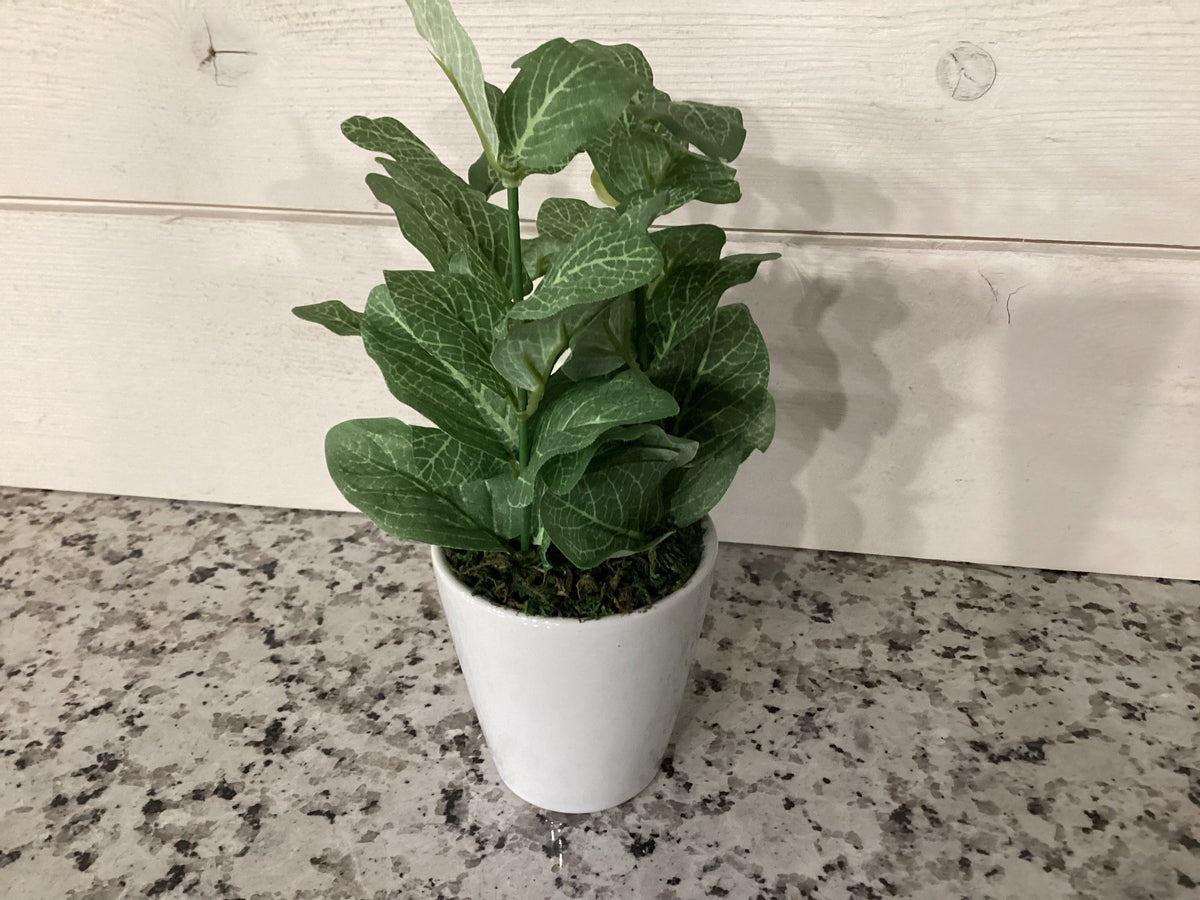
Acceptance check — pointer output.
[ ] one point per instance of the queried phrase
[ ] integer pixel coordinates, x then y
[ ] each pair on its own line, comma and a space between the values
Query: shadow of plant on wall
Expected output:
1069, 483
831, 315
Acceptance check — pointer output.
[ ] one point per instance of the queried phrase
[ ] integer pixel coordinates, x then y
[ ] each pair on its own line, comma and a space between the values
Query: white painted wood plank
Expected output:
1089, 132
155, 355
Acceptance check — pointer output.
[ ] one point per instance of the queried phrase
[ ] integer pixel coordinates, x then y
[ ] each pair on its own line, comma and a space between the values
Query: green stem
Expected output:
518, 294
639, 328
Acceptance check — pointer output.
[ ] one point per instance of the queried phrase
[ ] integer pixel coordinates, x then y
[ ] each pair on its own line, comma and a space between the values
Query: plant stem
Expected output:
639, 328
518, 294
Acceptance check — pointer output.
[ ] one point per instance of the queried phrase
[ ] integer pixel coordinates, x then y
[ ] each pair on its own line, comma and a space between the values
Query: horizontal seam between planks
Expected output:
87, 205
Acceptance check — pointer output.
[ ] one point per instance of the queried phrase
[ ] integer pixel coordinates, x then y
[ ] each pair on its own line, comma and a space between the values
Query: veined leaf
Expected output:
583, 412
687, 298
729, 437
443, 462
703, 485
526, 353
688, 245
333, 314
715, 368
456, 54
561, 218
427, 226
603, 345
482, 176
616, 507
761, 430
452, 317
601, 191
716, 131
419, 379
609, 256
561, 473
466, 224
704, 179
506, 516
537, 253
437, 211
563, 95
639, 159
690, 177
633, 157
719, 377
627, 56
405, 480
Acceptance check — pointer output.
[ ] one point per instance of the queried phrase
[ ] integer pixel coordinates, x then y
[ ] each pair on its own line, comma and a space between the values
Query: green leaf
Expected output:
427, 226
627, 56
729, 437
506, 515
405, 479
559, 220
527, 352
719, 377
704, 179
586, 410
716, 368
702, 487
482, 176
537, 253
609, 256
561, 473
614, 508
688, 178
688, 245
418, 378
639, 159
603, 345
716, 131
577, 418
563, 95
687, 298
439, 213
633, 157
456, 54
562, 218
443, 462
453, 317
760, 430
333, 314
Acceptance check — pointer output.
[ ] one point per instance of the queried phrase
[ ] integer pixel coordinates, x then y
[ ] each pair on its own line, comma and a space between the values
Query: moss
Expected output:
622, 585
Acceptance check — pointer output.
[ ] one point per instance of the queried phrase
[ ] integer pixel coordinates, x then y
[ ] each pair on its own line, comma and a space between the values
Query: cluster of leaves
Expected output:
587, 390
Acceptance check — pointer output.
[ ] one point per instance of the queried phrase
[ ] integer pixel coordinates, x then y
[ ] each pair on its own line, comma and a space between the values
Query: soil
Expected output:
523, 582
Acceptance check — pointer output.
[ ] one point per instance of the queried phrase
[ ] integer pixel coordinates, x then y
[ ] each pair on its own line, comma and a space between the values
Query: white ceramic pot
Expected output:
577, 714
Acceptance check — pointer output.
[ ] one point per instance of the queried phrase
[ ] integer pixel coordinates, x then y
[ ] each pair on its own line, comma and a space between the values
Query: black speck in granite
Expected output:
215, 701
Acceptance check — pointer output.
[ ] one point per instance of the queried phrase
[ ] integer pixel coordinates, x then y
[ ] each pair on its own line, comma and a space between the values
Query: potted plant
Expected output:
590, 401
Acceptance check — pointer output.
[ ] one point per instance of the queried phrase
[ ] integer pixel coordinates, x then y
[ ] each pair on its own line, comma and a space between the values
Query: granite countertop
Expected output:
231, 702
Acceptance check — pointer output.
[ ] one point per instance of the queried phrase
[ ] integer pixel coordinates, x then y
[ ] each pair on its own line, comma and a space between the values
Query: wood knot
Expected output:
966, 72
228, 64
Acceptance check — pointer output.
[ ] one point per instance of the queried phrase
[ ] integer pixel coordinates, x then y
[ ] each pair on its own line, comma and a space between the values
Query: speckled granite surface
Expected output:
220, 702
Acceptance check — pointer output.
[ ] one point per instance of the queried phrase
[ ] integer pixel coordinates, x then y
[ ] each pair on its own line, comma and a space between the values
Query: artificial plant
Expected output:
587, 392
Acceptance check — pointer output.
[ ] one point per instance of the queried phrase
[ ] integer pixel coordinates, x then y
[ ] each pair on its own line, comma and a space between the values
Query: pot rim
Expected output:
708, 560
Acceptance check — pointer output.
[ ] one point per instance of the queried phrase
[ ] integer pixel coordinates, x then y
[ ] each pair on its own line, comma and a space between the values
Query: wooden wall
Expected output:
985, 327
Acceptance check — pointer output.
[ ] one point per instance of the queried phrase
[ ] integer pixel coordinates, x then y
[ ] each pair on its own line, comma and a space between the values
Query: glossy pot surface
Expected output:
577, 715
